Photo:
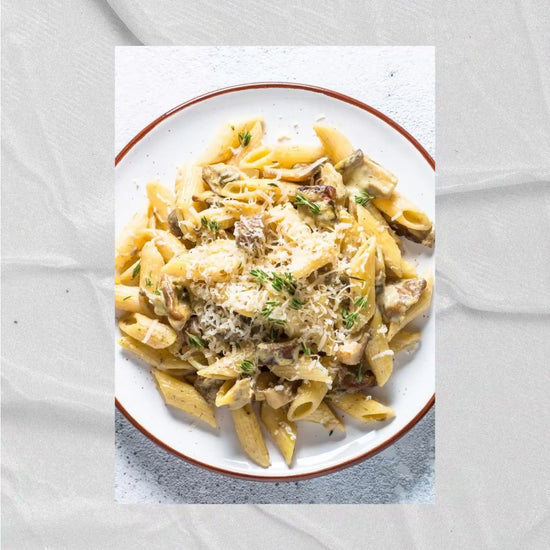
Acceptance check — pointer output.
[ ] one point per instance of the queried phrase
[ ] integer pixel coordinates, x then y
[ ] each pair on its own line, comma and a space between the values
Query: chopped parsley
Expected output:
137, 269
247, 367
195, 340
301, 200
245, 137
363, 198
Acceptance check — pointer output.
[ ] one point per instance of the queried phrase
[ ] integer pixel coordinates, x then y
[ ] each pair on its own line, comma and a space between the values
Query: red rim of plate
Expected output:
346, 99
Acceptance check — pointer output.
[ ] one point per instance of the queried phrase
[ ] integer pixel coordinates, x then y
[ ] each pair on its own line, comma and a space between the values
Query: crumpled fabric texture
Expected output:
399, 82
493, 215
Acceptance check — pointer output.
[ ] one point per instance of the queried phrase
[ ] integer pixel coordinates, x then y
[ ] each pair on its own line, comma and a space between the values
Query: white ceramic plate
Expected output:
287, 109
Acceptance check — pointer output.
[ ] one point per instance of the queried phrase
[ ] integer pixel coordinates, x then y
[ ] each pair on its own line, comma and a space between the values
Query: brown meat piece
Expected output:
278, 353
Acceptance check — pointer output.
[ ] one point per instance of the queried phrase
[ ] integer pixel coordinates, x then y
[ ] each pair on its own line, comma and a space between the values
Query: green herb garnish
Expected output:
269, 305
260, 276
194, 340
245, 137
296, 304
137, 269
127, 298
148, 282
277, 321
306, 349
301, 200
363, 198
210, 224
349, 318
359, 374
272, 184
247, 367
362, 302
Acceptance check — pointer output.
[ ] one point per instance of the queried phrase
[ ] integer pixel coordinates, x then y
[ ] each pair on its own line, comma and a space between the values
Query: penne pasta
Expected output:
288, 155
250, 436
325, 416
309, 396
282, 430
148, 331
379, 355
184, 396
162, 359
361, 407
335, 144
235, 394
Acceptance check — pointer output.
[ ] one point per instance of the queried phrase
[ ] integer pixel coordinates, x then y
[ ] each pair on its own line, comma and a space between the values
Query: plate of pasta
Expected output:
273, 281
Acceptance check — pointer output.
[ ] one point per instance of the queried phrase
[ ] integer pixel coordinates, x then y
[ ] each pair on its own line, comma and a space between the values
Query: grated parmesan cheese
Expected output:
382, 354
149, 331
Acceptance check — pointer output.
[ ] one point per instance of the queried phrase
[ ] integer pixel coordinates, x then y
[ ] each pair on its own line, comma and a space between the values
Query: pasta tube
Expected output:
184, 396
250, 435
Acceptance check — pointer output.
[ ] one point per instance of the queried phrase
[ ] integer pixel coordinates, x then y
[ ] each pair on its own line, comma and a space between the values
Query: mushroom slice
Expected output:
351, 352
361, 172
348, 379
354, 160
397, 298
321, 203
425, 237
278, 353
249, 234
217, 175
174, 224
208, 388
177, 309
299, 173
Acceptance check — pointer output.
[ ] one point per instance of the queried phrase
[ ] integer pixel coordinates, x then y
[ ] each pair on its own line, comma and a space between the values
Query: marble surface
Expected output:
397, 81
493, 153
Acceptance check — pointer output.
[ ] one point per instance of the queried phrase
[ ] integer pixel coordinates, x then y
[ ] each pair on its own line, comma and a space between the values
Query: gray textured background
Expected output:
493, 152
397, 81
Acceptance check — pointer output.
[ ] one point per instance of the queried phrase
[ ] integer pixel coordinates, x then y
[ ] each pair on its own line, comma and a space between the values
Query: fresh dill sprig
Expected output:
211, 225
306, 349
194, 340
260, 275
362, 302
269, 305
349, 318
247, 367
245, 137
363, 198
301, 200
